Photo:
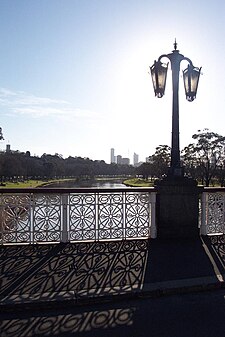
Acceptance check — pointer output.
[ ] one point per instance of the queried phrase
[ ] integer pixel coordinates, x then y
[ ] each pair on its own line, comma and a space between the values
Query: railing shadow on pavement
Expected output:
216, 245
42, 272
85, 269
78, 320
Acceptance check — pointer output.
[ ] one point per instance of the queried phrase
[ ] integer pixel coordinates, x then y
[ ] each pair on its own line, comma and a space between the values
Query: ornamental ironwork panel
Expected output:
109, 216
213, 213
137, 215
82, 217
15, 220
76, 216
46, 218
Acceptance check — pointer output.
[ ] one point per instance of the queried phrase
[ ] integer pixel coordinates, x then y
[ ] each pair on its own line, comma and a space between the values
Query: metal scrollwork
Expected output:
46, 218
75, 216
215, 213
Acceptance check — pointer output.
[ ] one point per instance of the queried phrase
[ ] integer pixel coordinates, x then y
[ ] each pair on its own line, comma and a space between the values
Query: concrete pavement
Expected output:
198, 314
81, 273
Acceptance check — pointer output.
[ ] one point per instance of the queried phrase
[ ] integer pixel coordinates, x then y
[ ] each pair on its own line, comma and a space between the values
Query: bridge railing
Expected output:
44, 215
212, 215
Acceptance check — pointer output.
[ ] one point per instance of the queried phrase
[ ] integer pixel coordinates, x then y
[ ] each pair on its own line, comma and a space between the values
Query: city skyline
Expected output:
120, 159
74, 75
113, 157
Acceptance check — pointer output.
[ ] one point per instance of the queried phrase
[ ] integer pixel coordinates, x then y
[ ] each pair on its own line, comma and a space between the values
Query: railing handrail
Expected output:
62, 190
213, 189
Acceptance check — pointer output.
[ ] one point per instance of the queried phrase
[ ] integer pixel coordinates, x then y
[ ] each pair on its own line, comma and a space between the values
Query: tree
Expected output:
160, 161
203, 158
12, 165
145, 170
190, 162
1, 134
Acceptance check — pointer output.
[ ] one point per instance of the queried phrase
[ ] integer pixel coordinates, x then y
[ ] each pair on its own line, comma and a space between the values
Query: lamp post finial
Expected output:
175, 44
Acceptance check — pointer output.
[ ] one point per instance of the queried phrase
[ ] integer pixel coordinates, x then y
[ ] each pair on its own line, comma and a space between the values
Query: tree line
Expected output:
15, 164
203, 160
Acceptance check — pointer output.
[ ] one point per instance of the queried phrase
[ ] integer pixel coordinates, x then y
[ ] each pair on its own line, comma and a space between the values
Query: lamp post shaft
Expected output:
175, 59
191, 76
175, 146
176, 193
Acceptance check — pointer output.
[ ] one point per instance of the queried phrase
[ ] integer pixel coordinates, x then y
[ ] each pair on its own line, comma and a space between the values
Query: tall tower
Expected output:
119, 159
112, 156
7, 147
136, 159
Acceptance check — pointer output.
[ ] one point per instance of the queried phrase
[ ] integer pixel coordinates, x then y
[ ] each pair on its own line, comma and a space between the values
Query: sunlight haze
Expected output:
74, 74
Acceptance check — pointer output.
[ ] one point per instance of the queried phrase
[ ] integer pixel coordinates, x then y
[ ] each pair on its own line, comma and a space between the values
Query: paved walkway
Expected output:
97, 272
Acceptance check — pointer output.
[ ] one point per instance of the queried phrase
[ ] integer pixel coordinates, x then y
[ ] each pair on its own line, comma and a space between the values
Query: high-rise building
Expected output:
112, 156
136, 159
119, 159
7, 147
125, 161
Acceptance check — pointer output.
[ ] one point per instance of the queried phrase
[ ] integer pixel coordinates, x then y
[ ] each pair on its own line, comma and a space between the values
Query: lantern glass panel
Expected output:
159, 73
191, 78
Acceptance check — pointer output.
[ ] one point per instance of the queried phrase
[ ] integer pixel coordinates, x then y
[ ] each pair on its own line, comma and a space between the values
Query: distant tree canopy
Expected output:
203, 160
1, 134
157, 164
18, 164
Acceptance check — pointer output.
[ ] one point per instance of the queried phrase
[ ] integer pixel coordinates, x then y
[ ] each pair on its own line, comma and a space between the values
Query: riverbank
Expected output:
134, 182
32, 183
67, 182
138, 182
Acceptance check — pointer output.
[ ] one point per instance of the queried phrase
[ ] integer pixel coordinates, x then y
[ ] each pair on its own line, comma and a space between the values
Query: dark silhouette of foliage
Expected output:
14, 164
1, 134
204, 160
157, 164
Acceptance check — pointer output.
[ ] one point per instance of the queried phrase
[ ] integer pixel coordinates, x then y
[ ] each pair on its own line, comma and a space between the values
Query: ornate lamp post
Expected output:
191, 77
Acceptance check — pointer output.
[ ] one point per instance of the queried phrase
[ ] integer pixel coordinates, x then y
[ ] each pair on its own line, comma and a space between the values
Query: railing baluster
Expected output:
124, 225
204, 218
96, 216
64, 217
152, 220
224, 214
32, 218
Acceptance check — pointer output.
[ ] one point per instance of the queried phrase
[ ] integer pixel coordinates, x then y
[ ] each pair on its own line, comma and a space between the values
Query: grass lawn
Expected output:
23, 184
30, 183
138, 182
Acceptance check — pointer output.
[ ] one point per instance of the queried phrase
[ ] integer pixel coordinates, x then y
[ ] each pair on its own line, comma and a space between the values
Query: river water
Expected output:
117, 183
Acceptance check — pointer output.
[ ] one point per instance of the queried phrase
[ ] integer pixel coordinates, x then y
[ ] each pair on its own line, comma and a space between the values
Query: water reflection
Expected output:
103, 184
118, 183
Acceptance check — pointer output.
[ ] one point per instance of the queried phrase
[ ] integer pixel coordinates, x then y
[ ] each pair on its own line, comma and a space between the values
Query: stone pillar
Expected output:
177, 208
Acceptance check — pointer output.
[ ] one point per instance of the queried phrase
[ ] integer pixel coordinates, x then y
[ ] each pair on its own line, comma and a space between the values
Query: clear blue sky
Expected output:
74, 74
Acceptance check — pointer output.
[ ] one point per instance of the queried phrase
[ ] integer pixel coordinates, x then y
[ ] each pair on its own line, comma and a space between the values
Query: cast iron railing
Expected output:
44, 215
60, 215
212, 215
